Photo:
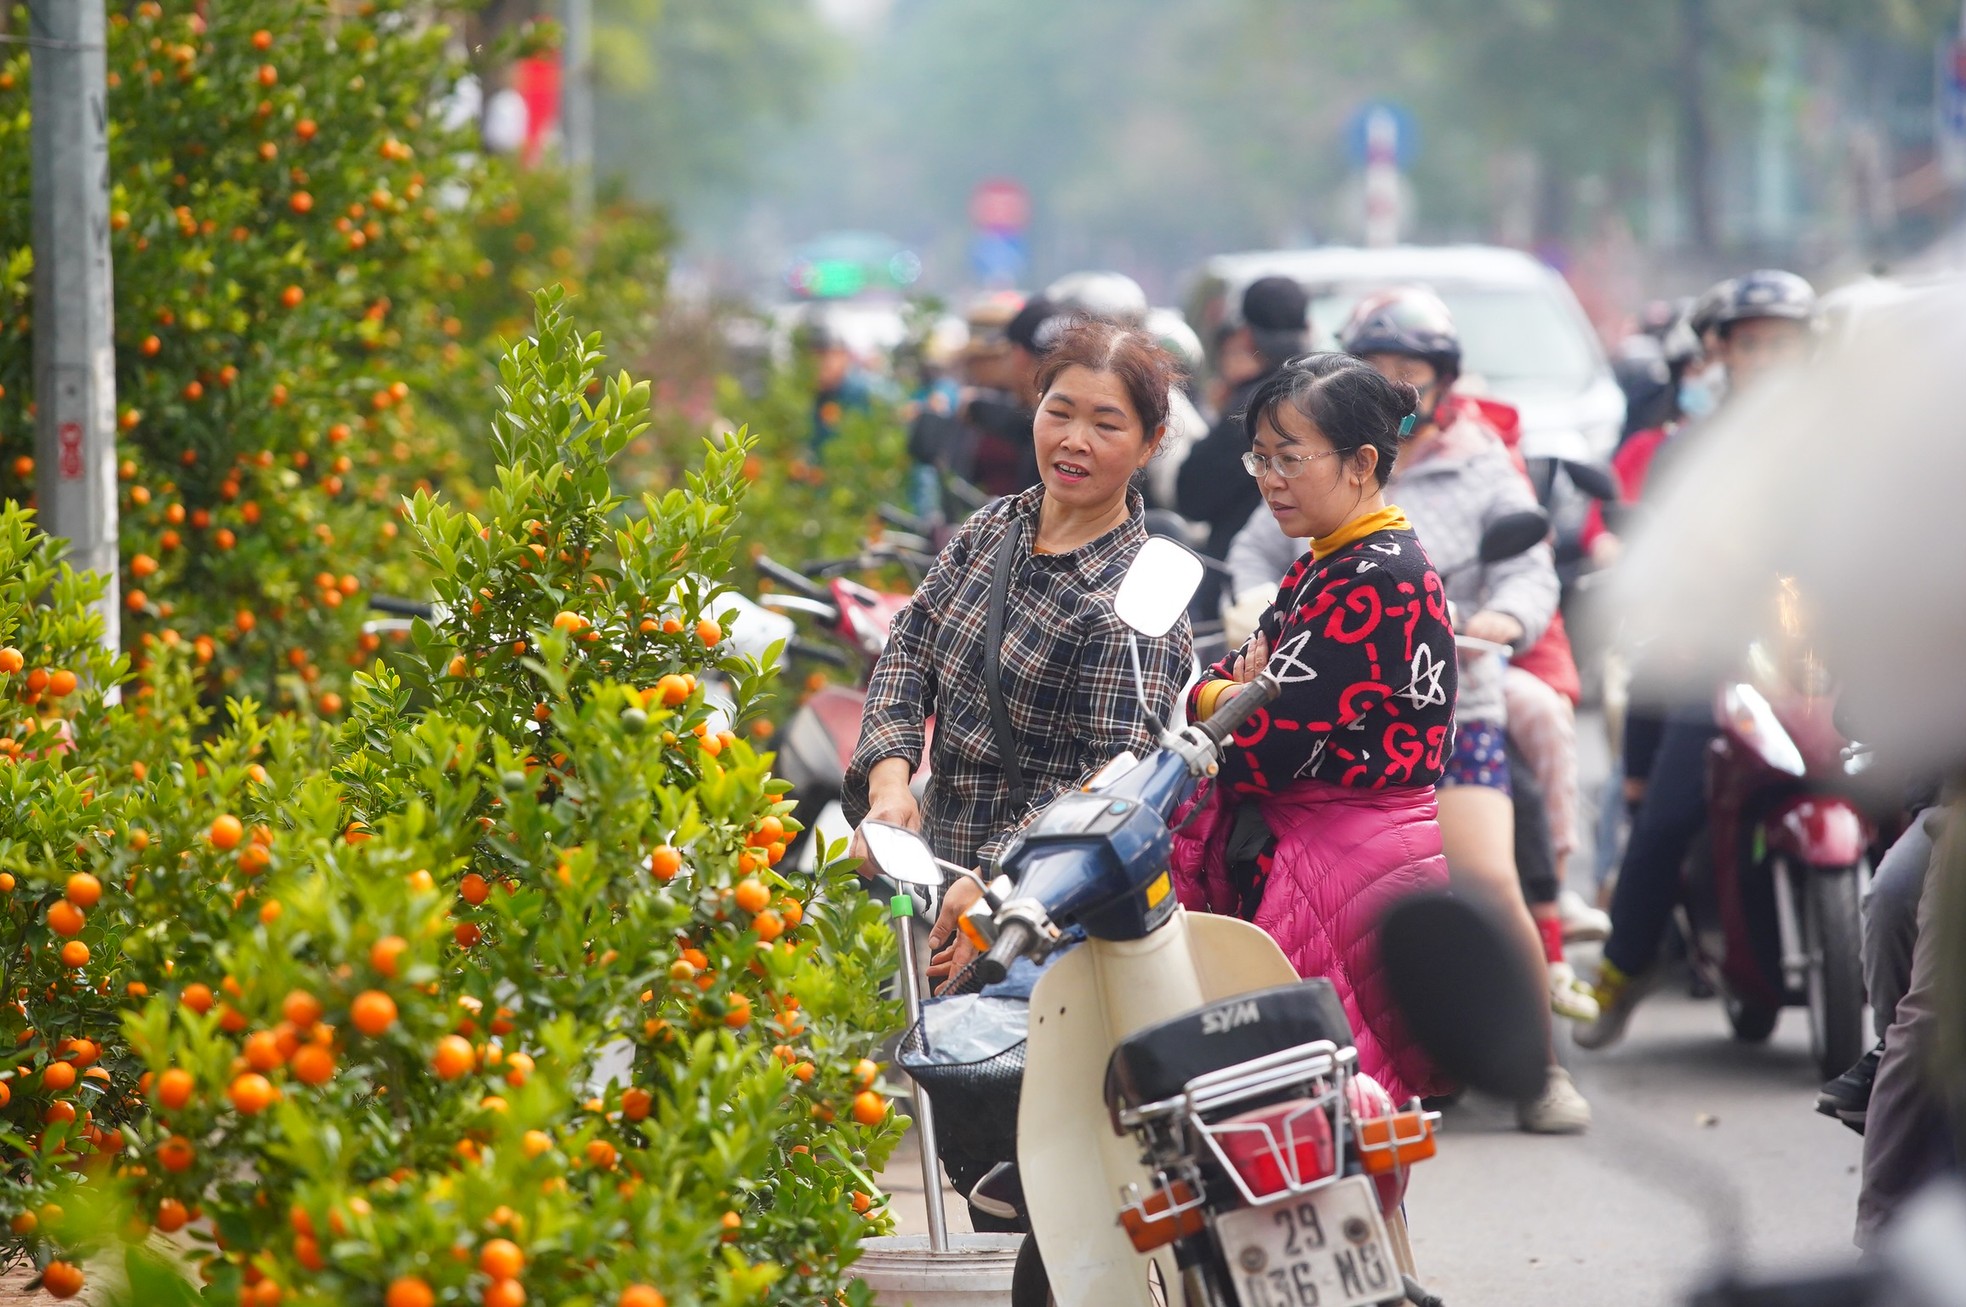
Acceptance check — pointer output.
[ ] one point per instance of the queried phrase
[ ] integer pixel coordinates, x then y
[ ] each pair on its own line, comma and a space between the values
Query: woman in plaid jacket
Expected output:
1067, 680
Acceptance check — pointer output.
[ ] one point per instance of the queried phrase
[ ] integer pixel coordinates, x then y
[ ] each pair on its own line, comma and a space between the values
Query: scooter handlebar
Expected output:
786, 576
1013, 938
1240, 707
401, 607
819, 653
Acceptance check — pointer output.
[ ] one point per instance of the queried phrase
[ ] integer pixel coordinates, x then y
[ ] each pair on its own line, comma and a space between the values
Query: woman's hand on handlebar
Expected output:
949, 949
1251, 660
1494, 627
889, 800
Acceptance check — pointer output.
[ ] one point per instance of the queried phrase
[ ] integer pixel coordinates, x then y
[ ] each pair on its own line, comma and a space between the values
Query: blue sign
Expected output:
1358, 132
1951, 107
997, 259
1952, 91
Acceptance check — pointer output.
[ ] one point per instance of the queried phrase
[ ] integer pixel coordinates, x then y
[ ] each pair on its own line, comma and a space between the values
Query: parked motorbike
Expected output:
818, 742
1770, 898
1193, 1114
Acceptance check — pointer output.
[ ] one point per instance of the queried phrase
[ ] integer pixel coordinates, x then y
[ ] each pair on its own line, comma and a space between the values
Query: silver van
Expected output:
1526, 340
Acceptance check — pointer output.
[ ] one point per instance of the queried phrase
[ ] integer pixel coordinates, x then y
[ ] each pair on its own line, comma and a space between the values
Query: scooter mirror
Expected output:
901, 854
1514, 533
1157, 587
1467, 994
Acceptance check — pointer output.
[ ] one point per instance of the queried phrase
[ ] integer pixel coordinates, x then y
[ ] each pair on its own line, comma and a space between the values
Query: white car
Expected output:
1525, 338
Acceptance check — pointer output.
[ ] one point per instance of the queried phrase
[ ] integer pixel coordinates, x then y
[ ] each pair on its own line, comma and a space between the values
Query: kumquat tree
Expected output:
289, 219
495, 992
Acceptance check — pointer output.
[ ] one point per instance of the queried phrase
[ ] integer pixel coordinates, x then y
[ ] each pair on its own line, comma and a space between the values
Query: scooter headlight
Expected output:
1751, 717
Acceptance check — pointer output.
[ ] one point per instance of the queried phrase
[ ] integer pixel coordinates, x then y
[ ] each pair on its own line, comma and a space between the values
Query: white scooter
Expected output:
1192, 1128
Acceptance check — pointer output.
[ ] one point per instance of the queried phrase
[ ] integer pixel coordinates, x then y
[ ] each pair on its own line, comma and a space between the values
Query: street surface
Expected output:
1693, 1132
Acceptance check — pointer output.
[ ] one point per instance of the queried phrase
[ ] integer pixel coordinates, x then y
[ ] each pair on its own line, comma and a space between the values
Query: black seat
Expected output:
1157, 1062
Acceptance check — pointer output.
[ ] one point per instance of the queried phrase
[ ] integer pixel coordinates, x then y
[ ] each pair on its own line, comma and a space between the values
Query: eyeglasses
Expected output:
1287, 466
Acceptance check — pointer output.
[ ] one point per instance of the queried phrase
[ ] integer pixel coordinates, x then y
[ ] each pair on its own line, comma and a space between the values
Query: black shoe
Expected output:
1000, 1193
1847, 1098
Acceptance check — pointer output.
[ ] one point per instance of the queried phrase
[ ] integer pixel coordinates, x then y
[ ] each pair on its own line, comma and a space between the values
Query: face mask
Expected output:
1701, 395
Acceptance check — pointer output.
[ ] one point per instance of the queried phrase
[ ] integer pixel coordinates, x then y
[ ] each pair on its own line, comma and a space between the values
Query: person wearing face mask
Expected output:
1324, 811
1698, 379
1759, 324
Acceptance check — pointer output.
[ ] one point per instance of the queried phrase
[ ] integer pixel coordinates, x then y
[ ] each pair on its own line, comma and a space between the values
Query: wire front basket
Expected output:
975, 1105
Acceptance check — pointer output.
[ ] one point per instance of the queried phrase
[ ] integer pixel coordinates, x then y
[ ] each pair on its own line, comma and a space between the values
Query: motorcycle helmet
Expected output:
1112, 295
1409, 320
1174, 335
1704, 316
1767, 293
1682, 343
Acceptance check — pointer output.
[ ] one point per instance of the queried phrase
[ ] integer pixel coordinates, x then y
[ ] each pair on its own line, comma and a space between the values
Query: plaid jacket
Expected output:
1067, 680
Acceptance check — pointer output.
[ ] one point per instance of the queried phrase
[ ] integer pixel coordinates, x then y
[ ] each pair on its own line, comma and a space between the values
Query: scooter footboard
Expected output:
1073, 1165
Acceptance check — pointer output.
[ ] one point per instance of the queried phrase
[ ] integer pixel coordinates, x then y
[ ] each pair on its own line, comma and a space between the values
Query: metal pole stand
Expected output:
902, 909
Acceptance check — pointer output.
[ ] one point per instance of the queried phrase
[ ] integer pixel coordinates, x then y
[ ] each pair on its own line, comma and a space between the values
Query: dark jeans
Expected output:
1663, 830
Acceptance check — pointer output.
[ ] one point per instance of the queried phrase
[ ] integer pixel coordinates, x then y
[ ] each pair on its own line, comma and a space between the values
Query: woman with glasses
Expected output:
1324, 809
1455, 477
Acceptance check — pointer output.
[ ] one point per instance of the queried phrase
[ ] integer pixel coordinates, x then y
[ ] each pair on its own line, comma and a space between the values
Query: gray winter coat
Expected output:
1458, 485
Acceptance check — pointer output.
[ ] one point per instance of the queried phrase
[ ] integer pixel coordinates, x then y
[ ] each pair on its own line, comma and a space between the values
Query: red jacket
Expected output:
1343, 856
1550, 660
1633, 464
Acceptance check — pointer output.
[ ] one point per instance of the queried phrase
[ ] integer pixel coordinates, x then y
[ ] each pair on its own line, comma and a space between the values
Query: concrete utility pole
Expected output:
74, 357
577, 110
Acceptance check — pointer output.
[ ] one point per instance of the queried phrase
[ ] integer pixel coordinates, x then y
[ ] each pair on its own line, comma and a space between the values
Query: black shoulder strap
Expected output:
1006, 563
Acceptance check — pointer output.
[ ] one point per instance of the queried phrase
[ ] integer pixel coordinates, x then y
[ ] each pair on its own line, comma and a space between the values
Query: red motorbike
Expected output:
1770, 902
816, 745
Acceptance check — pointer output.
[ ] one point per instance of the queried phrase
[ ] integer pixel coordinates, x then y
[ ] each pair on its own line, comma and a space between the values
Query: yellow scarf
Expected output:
1389, 518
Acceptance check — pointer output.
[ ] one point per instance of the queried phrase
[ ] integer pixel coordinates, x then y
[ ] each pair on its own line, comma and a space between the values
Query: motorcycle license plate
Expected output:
1327, 1249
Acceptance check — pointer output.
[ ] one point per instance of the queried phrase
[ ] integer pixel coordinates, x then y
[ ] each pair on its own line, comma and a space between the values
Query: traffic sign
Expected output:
1952, 109
1000, 205
1374, 124
996, 259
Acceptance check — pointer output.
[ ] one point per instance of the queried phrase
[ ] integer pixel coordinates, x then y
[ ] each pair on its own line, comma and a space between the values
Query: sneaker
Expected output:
1847, 1098
1582, 923
1570, 997
1618, 996
1560, 1110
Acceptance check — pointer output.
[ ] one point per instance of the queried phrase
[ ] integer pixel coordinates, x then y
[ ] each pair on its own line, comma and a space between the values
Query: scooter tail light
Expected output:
1389, 1144
1272, 1149
1170, 1212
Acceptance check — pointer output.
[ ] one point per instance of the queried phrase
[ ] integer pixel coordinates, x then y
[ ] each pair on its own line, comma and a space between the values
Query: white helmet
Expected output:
1100, 294
1176, 337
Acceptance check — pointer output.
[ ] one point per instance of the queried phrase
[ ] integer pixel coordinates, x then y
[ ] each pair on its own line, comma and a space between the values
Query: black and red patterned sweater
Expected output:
1360, 642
